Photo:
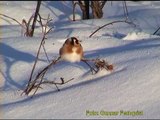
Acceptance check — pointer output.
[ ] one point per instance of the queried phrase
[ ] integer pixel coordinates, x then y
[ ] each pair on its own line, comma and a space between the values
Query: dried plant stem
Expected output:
55, 83
35, 61
40, 75
156, 31
98, 64
35, 18
111, 23
125, 9
12, 19
91, 68
73, 12
36, 85
46, 54
37, 56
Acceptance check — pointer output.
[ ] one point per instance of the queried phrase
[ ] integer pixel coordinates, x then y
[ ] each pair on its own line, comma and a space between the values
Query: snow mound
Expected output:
102, 72
133, 85
137, 36
77, 17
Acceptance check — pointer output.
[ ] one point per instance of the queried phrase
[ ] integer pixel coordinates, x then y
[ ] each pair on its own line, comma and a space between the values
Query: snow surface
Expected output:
134, 51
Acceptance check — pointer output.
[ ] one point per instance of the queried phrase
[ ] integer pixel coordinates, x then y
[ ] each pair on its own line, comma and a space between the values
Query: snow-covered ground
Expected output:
133, 86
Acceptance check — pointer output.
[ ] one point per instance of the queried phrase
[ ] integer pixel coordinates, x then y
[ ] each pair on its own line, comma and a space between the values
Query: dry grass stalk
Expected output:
98, 64
111, 23
35, 83
26, 28
30, 84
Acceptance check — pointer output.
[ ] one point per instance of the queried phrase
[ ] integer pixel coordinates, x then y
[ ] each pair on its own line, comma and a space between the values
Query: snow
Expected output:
138, 36
132, 86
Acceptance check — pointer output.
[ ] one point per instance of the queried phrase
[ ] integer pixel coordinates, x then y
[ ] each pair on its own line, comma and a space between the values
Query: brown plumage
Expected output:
71, 50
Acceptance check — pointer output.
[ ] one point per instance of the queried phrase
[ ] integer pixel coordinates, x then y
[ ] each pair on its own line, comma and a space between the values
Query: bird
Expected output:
72, 50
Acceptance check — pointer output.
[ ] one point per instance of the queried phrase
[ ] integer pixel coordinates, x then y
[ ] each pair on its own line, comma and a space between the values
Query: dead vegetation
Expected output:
96, 8
34, 83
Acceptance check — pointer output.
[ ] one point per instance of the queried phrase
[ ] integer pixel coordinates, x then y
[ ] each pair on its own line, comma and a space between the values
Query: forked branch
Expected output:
36, 83
97, 65
29, 85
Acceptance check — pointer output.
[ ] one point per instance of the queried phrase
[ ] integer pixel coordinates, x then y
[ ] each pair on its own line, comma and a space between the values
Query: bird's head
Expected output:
73, 41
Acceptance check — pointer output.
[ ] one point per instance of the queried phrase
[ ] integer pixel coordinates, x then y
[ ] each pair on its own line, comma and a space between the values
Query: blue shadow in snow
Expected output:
135, 45
8, 51
107, 51
10, 56
71, 87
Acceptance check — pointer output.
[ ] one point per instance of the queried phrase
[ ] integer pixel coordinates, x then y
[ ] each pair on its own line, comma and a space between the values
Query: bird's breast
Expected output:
72, 56
74, 49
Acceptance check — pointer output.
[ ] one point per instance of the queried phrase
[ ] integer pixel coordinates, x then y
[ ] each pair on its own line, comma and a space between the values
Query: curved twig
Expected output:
40, 75
98, 64
111, 23
12, 19
28, 89
53, 82
91, 68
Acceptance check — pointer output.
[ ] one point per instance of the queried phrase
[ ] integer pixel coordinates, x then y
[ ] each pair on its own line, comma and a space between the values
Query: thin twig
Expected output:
56, 83
35, 63
111, 23
45, 52
125, 9
91, 68
49, 30
73, 12
156, 31
41, 74
28, 30
12, 19
39, 84
98, 64
125, 4
37, 56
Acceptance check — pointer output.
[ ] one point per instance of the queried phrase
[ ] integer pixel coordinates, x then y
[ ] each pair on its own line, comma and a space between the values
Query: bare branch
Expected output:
30, 87
81, 5
98, 64
125, 9
156, 31
103, 3
28, 31
91, 68
46, 53
111, 23
12, 19
35, 17
40, 75
57, 83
